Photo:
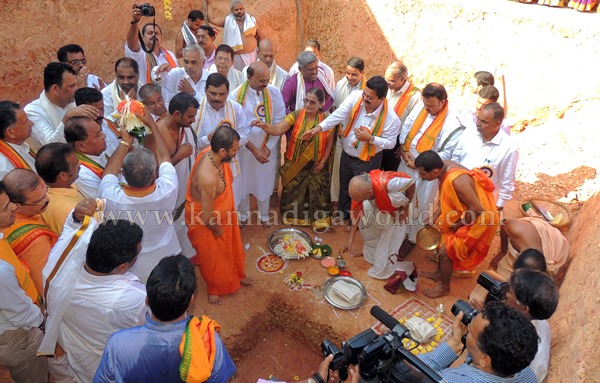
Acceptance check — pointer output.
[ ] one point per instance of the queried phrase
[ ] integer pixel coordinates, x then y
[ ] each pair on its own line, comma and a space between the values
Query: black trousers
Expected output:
389, 161
350, 167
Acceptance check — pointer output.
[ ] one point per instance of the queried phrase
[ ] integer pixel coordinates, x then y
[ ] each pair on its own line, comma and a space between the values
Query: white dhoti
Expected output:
423, 205
335, 172
382, 238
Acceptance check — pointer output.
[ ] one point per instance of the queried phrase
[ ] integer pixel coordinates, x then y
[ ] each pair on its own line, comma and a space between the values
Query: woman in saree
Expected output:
305, 174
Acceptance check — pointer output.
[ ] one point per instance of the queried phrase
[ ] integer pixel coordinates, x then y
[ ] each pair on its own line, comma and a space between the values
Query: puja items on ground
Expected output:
125, 114
428, 332
292, 246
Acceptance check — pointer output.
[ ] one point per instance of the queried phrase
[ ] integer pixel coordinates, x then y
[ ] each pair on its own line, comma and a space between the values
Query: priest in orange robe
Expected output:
211, 218
467, 217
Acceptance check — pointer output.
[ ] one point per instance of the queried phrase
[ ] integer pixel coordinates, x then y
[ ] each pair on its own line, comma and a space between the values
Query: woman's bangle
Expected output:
125, 143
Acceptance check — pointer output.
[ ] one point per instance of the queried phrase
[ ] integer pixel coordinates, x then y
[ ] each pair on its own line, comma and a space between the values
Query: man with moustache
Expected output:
309, 76
74, 55
126, 84
54, 107
217, 110
93, 97
259, 156
224, 65
371, 126
206, 39
266, 54
190, 79
15, 129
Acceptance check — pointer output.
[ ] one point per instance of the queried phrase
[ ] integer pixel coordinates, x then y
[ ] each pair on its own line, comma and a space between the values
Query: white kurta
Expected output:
426, 191
169, 82
23, 150
93, 81
47, 121
540, 363
111, 96
234, 76
257, 178
394, 97
391, 127
497, 158
152, 212
323, 68
112, 139
183, 169
382, 236
99, 306
88, 182
140, 58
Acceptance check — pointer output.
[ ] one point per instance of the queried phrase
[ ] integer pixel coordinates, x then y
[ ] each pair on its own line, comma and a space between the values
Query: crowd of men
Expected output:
98, 228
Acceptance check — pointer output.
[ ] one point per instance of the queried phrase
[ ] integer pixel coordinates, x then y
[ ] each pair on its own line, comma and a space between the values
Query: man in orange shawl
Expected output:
211, 218
467, 217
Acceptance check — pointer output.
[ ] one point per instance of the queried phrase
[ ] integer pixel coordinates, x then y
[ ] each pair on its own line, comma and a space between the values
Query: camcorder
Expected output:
146, 10
496, 286
381, 358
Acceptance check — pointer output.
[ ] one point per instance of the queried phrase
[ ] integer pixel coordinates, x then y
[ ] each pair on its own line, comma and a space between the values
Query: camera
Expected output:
494, 284
381, 358
469, 312
146, 10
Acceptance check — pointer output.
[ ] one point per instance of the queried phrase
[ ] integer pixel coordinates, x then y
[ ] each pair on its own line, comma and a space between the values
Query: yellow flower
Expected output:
416, 352
417, 314
429, 348
433, 344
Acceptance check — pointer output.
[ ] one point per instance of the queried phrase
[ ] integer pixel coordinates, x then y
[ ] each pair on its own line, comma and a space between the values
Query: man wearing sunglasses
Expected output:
74, 56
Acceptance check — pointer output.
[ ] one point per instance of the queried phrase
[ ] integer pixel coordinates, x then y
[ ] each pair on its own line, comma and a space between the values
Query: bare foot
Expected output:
214, 300
247, 281
431, 275
266, 224
437, 291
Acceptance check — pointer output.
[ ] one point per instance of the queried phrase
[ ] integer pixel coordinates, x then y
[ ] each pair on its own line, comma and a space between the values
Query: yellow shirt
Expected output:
62, 201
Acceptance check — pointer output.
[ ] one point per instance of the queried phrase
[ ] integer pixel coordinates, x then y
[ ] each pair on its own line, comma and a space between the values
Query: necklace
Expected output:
212, 160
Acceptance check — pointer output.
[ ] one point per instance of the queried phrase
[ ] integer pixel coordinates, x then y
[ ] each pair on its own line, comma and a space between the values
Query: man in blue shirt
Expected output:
501, 343
150, 353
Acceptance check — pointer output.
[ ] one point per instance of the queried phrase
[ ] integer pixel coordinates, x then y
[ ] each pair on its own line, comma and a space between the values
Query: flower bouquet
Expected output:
126, 117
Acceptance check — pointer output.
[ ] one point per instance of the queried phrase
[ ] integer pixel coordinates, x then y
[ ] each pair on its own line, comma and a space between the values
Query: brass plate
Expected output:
428, 238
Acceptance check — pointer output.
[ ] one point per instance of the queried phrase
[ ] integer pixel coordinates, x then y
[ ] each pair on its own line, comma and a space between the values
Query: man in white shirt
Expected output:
151, 96
266, 53
105, 298
20, 313
371, 126
217, 110
489, 148
187, 34
487, 94
402, 96
190, 79
206, 39
176, 132
55, 106
146, 199
314, 47
430, 126
73, 55
93, 97
224, 65
126, 84
259, 156
88, 139
15, 128
353, 80
147, 52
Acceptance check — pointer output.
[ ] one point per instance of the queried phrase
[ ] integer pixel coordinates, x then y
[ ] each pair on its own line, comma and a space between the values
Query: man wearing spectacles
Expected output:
224, 65
74, 56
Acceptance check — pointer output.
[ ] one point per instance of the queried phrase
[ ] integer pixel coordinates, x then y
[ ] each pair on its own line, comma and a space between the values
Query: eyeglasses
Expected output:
42, 202
308, 101
223, 59
77, 62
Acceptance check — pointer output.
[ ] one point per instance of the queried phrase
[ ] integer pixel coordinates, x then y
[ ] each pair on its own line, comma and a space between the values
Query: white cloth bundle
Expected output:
345, 290
420, 329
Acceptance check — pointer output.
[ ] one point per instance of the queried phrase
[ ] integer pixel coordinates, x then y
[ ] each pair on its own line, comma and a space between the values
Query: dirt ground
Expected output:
547, 58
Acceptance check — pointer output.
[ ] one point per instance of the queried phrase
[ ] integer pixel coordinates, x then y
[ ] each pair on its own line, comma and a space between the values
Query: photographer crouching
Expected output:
500, 342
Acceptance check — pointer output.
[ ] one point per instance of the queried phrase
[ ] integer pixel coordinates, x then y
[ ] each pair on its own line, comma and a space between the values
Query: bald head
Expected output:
360, 188
266, 52
258, 75
20, 181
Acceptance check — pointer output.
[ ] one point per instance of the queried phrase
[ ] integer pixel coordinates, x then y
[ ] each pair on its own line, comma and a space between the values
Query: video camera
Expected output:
146, 10
494, 284
381, 358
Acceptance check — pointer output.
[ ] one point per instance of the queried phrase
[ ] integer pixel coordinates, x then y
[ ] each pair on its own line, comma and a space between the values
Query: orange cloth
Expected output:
198, 349
431, 133
379, 180
31, 240
21, 272
62, 201
469, 245
221, 260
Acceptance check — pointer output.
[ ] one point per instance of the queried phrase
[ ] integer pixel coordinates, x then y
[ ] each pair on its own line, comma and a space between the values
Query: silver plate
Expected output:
335, 301
280, 233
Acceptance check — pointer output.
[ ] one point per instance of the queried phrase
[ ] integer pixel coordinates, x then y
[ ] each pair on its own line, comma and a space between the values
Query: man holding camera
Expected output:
500, 341
150, 52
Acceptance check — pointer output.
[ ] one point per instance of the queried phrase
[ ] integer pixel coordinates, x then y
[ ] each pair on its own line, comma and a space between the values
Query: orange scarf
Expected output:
95, 167
21, 236
198, 349
8, 255
294, 145
151, 63
429, 136
368, 149
379, 180
13, 156
112, 127
404, 99
138, 192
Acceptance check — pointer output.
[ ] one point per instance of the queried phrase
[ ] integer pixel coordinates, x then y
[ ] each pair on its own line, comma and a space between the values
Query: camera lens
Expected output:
469, 312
